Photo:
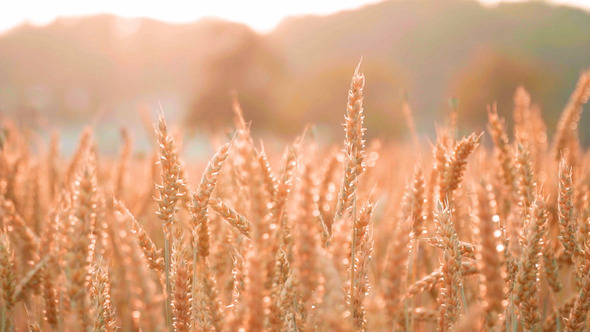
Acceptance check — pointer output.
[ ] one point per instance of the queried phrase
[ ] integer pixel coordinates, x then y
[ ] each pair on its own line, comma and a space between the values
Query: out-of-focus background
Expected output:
104, 69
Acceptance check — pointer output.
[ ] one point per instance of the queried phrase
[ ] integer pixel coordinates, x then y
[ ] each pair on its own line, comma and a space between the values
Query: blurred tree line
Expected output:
300, 72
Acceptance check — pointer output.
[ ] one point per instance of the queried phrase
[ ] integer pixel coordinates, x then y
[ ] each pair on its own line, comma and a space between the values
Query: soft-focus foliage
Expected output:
103, 68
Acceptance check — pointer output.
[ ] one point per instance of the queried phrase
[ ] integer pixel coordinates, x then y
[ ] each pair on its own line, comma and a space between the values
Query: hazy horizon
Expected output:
107, 69
248, 13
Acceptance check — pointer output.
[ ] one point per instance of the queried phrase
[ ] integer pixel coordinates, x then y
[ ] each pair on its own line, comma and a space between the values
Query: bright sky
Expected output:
262, 15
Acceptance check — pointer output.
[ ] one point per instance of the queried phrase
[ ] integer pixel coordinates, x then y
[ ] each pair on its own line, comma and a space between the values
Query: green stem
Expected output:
411, 276
168, 286
464, 299
352, 256
352, 267
513, 315
3, 323
194, 285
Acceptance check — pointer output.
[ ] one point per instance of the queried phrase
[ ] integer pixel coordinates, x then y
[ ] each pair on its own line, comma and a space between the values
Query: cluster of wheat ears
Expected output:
384, 237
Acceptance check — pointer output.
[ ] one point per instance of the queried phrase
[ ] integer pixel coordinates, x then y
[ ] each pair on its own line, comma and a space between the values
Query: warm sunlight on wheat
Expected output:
477, 232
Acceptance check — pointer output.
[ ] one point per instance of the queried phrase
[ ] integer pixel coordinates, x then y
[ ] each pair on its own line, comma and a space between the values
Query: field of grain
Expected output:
483, 232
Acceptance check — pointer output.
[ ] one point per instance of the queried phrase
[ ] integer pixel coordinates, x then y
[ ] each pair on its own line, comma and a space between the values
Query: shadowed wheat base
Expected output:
378, 237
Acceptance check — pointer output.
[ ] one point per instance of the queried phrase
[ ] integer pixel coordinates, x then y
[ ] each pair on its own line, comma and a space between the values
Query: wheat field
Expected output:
483, 232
